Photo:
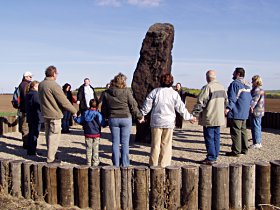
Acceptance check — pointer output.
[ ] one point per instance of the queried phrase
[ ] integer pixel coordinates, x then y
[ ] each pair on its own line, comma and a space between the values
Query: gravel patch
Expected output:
188, 147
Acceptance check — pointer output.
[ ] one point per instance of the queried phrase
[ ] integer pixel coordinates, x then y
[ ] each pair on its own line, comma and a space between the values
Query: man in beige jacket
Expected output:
52, 101
210, 108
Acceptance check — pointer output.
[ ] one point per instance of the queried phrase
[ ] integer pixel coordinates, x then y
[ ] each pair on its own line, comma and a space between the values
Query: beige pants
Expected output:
53, 133
161, 147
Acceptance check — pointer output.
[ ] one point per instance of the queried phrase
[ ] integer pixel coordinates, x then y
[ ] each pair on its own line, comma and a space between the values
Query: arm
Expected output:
148, 103
62, 100
100, 118
133, 105
202, 100
232, 93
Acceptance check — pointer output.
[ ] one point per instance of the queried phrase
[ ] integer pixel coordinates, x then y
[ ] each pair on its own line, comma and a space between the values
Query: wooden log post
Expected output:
157, 199
94, 188
275, 182
81, 186
190, 187
263, 194
141, 188
173, 183
235, 186
16, 176
248, 186
50, 182
1, 125
5, 179
126, 188
65, 186
26, 179
37, 189
205, 187
5, 125
111, 185
220, 191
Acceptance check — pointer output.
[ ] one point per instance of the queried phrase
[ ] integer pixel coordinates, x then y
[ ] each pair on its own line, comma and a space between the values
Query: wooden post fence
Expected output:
217, 187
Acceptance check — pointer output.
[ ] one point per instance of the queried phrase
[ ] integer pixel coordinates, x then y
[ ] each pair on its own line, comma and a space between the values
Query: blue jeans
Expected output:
212, 142
256, 129
65, 120
120, 131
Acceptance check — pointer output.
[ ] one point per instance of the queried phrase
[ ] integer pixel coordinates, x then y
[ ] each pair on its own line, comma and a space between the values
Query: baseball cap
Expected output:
27, 74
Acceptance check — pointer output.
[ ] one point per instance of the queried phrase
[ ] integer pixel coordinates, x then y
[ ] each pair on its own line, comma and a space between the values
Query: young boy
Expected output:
91, 120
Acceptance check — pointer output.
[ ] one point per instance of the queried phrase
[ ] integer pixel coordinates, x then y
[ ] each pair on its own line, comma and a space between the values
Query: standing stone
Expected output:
155, 60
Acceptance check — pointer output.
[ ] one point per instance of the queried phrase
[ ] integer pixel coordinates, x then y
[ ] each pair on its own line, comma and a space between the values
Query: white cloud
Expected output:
152, 3
115, 3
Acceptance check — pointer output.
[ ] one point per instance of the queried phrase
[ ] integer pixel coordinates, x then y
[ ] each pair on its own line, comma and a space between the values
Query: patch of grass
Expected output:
5, 114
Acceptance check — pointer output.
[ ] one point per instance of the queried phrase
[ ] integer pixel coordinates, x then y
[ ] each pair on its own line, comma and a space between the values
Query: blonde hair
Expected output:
258, 80
119, 81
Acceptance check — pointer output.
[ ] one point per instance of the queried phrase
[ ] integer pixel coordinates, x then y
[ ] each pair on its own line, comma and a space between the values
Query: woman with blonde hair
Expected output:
118, 106
257, 111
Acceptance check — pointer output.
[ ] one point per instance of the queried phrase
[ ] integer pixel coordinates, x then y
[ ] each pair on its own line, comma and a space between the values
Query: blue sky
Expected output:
99, 38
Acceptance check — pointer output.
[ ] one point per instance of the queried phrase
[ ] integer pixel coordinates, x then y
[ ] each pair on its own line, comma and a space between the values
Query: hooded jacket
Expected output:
239, 98
91, 120
119, 103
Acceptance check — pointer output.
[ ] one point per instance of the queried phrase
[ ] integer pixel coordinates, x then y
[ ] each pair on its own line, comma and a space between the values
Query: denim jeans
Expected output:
256, 129
120, 131
65, 120
212, 142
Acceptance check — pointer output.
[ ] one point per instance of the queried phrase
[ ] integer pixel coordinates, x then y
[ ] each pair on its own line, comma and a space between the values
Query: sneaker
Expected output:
256, 146
208, 162
232, 154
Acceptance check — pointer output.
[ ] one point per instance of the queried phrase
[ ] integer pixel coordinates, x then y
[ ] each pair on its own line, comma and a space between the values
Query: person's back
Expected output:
239, 99
214, 112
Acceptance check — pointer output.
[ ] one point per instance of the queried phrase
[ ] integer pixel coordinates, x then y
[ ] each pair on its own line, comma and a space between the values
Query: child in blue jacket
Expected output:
91, 120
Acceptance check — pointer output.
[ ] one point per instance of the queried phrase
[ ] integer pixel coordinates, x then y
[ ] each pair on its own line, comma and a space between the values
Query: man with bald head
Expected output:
210, 109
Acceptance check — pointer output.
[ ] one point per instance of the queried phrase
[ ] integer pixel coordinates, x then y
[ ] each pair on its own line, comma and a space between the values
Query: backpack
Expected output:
16, 98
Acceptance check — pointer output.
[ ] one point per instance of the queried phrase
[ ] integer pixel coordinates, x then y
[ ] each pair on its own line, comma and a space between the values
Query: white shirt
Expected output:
88, 94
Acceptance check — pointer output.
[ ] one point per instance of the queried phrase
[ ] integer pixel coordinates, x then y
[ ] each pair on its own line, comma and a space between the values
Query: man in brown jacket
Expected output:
52, 101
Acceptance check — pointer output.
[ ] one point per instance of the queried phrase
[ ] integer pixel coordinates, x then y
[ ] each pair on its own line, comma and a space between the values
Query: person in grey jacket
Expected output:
53, 101
118, 106
163, 102
210, 110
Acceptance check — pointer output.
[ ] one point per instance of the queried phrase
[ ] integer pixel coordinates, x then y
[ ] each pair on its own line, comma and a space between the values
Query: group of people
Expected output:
47, 102
238, 104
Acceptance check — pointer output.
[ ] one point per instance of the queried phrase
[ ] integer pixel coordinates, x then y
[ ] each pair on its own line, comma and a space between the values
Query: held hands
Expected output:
226, 111
193, 120
142, 120
78, 102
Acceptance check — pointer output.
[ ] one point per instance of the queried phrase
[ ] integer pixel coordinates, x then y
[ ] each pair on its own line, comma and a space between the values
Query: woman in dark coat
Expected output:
34, 117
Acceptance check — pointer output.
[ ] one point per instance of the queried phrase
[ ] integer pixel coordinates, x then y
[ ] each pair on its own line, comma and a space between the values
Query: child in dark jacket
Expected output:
91, 120
34, 117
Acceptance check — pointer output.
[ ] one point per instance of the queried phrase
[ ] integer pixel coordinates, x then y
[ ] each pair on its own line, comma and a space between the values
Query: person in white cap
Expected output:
23, 125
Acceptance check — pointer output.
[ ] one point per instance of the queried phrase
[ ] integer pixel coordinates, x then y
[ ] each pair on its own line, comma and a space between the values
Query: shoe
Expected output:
244, 152
208, 162
256, 146
65, 131
232, 154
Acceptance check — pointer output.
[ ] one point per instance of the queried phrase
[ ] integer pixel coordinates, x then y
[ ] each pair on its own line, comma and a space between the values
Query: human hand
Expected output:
226, 111
142, 120
78, 102
193, 120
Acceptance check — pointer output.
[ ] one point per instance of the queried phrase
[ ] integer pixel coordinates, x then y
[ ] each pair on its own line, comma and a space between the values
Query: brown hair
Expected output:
92, 103
119, 81
50, 71
166, 80
31, 85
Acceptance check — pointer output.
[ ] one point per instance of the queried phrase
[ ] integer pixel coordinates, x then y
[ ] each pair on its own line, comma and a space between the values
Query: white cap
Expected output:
27, 74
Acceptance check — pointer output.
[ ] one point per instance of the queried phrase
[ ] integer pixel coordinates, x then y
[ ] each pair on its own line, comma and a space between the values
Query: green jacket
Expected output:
53, 100
119, 103
211, 104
